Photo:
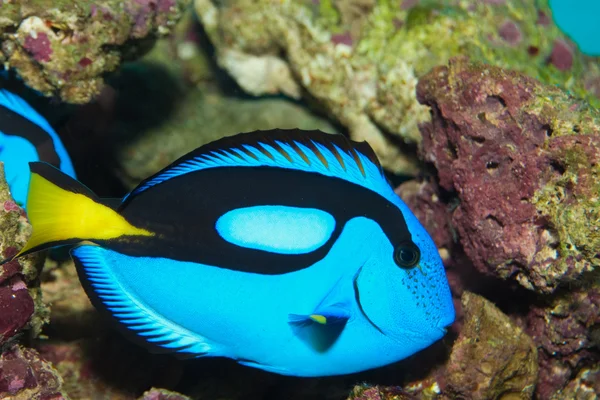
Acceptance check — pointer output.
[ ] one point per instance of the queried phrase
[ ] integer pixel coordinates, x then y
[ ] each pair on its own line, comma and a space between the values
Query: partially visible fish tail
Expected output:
63, 211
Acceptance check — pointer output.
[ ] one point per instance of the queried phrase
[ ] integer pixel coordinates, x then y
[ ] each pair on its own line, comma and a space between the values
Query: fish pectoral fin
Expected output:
328, 316
322, 328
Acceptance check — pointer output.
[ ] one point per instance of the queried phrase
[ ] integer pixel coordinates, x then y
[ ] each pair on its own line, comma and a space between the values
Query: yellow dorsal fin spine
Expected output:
62, 210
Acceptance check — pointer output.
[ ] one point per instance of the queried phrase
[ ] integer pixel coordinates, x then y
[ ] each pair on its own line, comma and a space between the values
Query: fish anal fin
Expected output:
264, 367
135, 320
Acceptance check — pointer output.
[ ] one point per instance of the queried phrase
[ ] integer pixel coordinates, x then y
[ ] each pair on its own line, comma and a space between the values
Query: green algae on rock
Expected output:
62, 48
361, 59
366, 392
21, 305
523, 160
327, 71
492, 358
169, 102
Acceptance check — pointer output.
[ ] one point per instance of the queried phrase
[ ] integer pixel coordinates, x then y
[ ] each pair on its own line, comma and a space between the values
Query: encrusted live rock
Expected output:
585, 386
162, 394
360, 59
492, 357
522, 158
21, 305
566, 330
24, 375
365, 392
62, 48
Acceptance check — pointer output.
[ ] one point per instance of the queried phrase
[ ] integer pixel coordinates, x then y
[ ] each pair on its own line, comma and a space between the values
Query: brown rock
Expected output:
492, 358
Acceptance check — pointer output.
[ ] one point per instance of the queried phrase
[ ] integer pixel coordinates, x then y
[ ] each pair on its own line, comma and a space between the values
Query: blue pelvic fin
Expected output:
136, 321
321, 328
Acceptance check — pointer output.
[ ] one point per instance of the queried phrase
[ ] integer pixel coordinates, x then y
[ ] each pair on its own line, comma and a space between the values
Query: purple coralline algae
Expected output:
566, 331
20, 297
360, 59
63, 48
24, 375
16, 307
522, 159
162, 394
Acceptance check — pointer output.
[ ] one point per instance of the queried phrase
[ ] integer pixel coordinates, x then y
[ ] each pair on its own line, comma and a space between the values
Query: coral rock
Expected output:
63, 48
424, 201
162, 394
585, 386
16, 307
24, 375
492, 357
360, 59
21, 305
523, 159
362, 392
565, 329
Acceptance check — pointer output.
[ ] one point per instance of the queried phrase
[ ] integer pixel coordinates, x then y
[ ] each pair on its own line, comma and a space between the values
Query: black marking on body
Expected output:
182, 211
357, 299
53, 174
14, 124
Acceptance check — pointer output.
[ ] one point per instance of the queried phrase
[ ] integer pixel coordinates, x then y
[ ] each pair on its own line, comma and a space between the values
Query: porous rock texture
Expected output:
63, 48
522, 158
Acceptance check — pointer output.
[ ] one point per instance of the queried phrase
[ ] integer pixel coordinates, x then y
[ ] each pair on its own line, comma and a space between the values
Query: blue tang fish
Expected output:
580, 20
284, 250
25, 136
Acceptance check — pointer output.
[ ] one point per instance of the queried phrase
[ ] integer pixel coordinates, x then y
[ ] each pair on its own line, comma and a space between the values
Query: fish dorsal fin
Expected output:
311, 151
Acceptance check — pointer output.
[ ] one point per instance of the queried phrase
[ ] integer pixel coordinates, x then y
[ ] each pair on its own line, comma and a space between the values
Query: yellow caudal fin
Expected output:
62, 211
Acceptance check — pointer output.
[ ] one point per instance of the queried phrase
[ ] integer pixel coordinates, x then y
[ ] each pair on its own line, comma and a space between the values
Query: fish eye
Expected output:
407, 255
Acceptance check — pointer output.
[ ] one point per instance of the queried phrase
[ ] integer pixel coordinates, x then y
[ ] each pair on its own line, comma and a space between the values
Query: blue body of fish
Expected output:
286, 251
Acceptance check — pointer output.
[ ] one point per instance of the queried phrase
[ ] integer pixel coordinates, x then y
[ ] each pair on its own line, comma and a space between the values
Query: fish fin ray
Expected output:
136, 321
264, 367
336, 314
312, 151
321, 328
63, 211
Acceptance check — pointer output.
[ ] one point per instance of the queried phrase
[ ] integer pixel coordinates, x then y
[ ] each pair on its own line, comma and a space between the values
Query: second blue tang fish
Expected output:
285, 250
25, 136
